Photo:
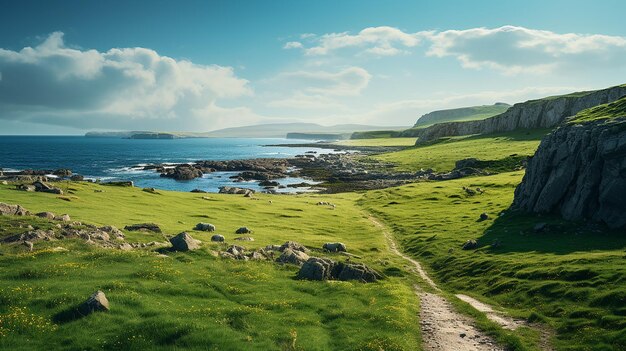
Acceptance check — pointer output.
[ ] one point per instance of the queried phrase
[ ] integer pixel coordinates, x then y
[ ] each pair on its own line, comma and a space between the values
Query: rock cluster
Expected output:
579, 172
235, 190
316, 268
152, 227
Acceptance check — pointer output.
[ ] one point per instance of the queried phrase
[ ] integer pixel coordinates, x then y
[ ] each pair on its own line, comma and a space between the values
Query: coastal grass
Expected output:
380, 141
195, 300
442, 154
570, 277
608, 111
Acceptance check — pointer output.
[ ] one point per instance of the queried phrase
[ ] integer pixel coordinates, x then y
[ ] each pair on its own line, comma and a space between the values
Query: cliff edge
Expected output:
579, 170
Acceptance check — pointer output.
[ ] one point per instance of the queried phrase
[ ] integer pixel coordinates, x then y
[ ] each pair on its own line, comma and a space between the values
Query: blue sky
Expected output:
71, 66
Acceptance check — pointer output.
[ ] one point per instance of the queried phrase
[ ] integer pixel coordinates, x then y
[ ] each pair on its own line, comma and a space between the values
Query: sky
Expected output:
72, 66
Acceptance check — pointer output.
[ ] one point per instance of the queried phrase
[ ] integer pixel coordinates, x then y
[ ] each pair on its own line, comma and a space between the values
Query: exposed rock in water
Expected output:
544, 113
579, 172
184, 242
182, 172
96, 302
144, 227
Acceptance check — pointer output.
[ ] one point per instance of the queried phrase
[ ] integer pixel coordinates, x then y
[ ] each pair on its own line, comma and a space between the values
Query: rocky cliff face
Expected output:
579, 171
544, 113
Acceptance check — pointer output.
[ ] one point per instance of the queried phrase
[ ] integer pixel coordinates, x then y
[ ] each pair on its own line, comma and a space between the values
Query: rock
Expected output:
13, 210
97, 302
184, 242
124, 183
125, 247
63, 172
77, 178
47, 215
235, 190
29, 245
182, 172
42, 186
316, 269
470, 245
335, 247
292, 257
243, 230
356, 271
579, 172
540, 227
272, 248
113, 232
236, 250
217, 238
198, 191
144, 227
268, 183
292, 245
4, 182
150, 190
25, 187
63, 218
206, 227
245, 238
484, 216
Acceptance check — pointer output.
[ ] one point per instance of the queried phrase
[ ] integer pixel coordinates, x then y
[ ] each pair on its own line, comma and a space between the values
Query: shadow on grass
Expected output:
68, 315
515, 233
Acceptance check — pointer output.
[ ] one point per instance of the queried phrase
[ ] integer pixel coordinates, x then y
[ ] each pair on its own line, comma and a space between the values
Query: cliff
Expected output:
462, 114
544, 113
579, 170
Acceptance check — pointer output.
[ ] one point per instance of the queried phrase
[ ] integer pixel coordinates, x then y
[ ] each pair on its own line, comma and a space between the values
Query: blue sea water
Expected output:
114, 159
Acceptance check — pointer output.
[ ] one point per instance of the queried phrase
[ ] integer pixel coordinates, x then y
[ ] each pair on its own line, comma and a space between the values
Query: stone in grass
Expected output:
218, 238
63, 218
335, 247
95, 303
470, 245
293, 257
206, 227
143, 227
47, 215
184, 242
243, 230
484, 216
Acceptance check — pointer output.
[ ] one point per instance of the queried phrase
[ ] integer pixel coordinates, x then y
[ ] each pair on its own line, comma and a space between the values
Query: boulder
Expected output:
13, 210
217, 238
235, 190
293, 246
124, 183
62, 172
47, 215
316, 268
236, 250
484, 216
25, 187
245, 238
198, 191
243, 230
182, 172
184, 242
113, 232
77, 178
95, 303
42, 186
292, 257
470, 245
206, 227
335, 247
150, 190
356, 271
144, 227
63, 218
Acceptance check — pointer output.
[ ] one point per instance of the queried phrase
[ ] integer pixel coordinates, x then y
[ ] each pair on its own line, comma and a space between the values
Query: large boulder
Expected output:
13, 210
316, 268
292, 245
335, 247
235, 190
243, 230
184, 242
96, 302
206, 227
143, 227
292, 257
217, 238
46, 215
356, 271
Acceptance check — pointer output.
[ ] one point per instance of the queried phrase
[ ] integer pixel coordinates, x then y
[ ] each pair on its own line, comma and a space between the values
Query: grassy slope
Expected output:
442, 155
602, 112
194, 300
388, 141
470, 114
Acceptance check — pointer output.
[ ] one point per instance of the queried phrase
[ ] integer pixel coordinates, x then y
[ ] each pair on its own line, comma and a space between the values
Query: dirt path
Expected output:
442, 327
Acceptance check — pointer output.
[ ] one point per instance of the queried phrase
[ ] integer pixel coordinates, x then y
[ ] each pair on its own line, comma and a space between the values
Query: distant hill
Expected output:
462, 114
280, 130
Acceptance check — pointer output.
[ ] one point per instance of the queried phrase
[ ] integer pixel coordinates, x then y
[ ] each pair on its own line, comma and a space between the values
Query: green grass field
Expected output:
571, 277
195, 300
442, 154
379, 142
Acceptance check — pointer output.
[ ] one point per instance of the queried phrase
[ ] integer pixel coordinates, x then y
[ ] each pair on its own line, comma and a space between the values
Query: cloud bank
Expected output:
120, 88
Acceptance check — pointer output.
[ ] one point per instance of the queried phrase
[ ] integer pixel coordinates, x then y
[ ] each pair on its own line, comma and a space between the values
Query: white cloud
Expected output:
122, 87
293, 45
384, 41
319, 89
513, 50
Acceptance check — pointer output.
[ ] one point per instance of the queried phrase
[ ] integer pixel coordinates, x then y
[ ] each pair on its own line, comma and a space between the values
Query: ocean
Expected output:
110, 159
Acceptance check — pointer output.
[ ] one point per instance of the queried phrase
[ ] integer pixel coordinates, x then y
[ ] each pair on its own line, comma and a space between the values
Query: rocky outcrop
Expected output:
316, 268
544, 113
579, 172
184, 242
